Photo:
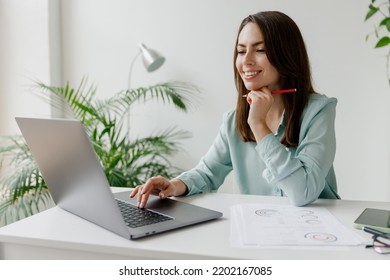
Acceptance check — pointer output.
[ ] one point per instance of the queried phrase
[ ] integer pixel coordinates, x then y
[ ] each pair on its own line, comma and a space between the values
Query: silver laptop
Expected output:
77, 183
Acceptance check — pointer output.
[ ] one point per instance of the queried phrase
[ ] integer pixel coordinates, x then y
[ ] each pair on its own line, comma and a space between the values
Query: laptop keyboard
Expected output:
138, 217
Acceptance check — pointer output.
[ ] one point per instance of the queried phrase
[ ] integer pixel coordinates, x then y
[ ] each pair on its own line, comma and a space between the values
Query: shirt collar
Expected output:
282, 124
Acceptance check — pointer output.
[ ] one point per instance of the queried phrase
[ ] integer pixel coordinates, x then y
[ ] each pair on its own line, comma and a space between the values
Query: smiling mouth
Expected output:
250, 74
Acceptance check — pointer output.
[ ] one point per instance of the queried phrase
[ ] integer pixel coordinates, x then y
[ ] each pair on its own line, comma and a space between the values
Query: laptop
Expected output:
77, 183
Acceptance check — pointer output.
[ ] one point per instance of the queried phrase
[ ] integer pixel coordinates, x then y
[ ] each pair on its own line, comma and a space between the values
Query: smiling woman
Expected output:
281, 145
292, 68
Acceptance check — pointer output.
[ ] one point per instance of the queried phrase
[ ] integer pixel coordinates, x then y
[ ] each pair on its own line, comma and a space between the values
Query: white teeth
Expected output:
250, 73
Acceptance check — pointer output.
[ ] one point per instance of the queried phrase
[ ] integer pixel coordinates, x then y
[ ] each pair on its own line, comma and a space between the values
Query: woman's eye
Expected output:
261, 50
240, 51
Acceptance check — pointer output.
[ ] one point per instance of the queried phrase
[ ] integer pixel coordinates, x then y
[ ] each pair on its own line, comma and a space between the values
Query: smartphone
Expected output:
374, 218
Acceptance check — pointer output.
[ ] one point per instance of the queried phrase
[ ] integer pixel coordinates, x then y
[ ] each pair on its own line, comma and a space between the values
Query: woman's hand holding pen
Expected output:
260, 103
158, 186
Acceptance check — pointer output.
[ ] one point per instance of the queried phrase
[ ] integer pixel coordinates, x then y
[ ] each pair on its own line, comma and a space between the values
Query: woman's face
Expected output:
252, 62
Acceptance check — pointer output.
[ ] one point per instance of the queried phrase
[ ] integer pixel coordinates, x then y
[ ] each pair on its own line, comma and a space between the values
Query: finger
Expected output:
152, 186
248, 99
262, 95
266, 90
139, 196
259, 93
134, 192
143, 200
251, 96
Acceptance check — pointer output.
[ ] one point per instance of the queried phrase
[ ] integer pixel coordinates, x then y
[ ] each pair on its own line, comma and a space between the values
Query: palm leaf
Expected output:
78, 102
23, 190
181, 95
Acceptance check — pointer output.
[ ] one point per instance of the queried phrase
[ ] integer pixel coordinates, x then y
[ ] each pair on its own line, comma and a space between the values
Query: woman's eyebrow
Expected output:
253, 45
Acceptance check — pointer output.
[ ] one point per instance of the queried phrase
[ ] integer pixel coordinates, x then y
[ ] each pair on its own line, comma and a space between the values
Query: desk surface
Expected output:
57, 234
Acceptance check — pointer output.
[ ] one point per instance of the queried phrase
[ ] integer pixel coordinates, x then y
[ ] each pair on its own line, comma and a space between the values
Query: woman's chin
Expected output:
251, 87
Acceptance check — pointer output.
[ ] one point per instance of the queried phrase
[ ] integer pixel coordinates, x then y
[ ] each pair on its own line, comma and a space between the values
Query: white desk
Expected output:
57, 234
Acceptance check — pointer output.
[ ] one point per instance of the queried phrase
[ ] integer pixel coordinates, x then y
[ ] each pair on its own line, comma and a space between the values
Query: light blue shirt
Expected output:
303, 174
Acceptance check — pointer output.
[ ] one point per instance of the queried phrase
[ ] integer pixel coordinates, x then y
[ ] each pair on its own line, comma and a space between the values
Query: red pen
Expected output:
279, 91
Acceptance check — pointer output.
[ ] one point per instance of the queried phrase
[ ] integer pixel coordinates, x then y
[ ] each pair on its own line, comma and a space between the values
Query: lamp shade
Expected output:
152, 59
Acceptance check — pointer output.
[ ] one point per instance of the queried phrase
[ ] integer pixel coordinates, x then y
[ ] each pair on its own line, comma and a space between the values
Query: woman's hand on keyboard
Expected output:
158, 186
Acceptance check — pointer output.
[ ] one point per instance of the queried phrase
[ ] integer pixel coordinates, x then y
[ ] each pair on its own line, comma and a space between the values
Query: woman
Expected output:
278, 144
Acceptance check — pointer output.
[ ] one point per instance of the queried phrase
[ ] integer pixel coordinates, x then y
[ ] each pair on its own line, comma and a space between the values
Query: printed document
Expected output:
254, 225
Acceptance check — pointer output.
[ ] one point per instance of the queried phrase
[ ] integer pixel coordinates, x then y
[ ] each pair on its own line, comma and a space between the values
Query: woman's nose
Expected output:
248, 59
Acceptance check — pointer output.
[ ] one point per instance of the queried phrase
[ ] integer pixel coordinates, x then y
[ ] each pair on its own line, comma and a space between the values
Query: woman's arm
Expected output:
300, 172
211, 171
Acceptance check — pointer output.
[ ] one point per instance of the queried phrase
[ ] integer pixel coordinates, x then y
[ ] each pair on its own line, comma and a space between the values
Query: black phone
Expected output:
374, 218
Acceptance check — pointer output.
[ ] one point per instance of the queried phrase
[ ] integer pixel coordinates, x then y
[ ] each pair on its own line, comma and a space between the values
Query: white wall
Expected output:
100, 37
23, 58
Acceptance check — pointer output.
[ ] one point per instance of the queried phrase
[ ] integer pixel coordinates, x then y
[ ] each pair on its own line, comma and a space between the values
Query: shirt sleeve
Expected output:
301, 172
209, 174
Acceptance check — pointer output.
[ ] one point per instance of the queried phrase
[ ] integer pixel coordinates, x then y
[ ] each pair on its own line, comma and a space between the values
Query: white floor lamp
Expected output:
152, 60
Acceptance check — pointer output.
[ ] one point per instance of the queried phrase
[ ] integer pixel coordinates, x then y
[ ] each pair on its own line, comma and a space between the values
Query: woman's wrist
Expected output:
260, 130
179, 188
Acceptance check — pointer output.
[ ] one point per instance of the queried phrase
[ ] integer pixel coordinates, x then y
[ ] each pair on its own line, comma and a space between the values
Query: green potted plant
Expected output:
382, 28
127, 162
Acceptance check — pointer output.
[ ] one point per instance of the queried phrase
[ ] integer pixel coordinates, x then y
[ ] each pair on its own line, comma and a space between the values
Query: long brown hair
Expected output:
286, 51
